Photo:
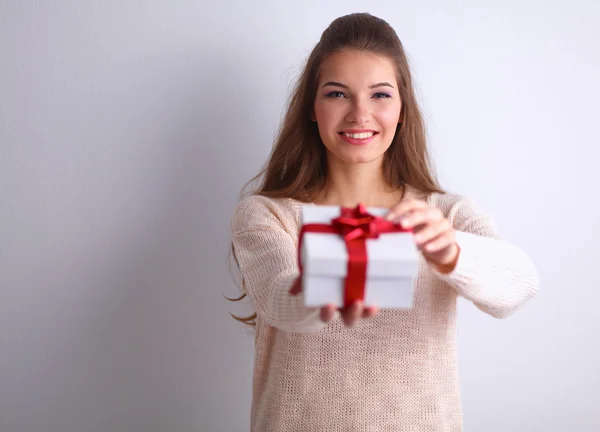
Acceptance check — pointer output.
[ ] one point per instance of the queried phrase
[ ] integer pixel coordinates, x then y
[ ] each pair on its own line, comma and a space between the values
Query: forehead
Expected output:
358, 68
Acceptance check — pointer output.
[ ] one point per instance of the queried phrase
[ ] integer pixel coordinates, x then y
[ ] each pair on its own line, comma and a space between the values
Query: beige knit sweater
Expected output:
396, 371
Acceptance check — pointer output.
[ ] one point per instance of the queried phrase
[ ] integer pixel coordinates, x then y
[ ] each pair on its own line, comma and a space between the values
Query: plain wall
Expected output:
128, 128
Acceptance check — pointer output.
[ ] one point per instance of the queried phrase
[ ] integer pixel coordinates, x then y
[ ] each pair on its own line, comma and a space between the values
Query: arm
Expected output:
497, 276
267, 256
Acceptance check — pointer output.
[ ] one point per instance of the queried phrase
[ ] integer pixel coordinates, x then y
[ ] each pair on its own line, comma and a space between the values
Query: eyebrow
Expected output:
337, 84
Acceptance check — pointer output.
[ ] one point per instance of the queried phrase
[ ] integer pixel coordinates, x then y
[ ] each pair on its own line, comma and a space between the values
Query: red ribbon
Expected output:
355, 225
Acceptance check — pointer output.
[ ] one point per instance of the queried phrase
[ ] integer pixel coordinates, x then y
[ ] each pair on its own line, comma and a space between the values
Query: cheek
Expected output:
318, 111
389, 116
326, 113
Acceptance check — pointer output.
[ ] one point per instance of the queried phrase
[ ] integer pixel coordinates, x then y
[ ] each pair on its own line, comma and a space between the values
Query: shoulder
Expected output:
257, 212
459, 209
449, 202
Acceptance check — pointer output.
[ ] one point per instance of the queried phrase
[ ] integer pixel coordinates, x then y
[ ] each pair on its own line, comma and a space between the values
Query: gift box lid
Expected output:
391, 255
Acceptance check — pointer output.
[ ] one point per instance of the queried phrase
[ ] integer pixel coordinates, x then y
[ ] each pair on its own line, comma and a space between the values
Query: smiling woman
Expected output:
353, 133
358, 67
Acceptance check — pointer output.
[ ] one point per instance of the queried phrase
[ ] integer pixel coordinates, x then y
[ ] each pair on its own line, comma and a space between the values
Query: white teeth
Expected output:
359, 135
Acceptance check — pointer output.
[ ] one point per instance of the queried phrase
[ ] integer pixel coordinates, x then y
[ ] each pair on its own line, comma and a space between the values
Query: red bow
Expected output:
355, 225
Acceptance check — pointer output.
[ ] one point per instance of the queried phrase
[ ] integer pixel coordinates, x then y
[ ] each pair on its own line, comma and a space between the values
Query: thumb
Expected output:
296, 287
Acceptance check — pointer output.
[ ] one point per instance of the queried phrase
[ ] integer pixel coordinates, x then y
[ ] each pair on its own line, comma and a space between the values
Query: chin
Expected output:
351, 154
366, 157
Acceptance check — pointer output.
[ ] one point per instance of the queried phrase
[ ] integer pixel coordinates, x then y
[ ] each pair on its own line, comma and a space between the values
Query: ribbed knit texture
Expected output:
396, 371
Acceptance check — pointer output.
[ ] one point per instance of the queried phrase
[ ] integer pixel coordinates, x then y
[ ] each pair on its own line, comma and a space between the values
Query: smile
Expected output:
358, 138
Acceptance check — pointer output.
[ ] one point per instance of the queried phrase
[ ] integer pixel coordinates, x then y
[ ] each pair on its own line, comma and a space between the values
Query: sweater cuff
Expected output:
496, 276
469, 266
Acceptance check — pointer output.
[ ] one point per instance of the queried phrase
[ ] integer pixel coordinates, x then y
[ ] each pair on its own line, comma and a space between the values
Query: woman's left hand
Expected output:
433, 233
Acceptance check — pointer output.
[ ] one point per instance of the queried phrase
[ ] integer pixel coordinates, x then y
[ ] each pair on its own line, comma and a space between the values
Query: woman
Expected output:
353, 133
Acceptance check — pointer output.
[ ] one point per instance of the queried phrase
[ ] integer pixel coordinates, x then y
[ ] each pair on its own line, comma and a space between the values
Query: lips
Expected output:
358, 137
358, 131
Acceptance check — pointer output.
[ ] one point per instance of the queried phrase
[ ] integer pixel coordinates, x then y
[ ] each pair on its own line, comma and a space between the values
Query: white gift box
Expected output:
391, 268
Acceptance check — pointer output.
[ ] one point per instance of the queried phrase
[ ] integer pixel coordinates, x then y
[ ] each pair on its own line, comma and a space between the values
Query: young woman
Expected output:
353, 133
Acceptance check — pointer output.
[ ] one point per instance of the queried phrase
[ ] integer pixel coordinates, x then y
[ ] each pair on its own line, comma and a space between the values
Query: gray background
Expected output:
128, 128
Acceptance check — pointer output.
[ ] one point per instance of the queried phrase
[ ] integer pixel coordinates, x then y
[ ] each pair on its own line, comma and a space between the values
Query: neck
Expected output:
351, 184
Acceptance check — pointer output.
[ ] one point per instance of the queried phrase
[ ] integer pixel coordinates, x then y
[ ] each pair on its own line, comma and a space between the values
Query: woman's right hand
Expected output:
350, 314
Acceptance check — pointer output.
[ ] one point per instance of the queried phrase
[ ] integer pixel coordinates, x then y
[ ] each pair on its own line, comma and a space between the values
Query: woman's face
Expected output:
357, 106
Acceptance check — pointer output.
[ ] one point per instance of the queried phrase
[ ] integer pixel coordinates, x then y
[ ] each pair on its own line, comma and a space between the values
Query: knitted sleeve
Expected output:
267, 257
497, 276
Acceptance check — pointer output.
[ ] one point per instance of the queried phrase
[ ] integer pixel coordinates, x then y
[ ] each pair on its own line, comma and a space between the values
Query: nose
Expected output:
359, 113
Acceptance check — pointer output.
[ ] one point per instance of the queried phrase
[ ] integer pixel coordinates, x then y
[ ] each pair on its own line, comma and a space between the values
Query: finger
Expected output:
296, 287
441, 242
426, 216
327, 313
352, 313
431, 232
370, 311
405, 207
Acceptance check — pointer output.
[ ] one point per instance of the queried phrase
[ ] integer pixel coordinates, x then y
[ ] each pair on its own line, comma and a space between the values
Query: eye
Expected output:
381, 95
335, 94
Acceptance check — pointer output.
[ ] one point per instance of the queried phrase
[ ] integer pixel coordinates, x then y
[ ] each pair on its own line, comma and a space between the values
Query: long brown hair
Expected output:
297, 165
